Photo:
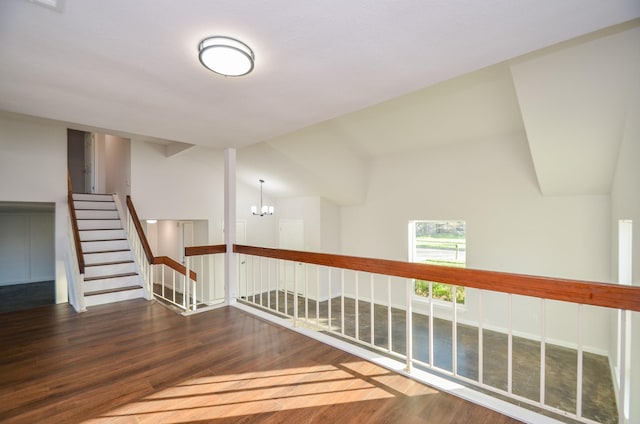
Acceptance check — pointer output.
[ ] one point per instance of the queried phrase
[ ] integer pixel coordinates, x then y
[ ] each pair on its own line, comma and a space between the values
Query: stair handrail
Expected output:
175, 265
138, 226
74, 225
155, 260
190, 277
607, 295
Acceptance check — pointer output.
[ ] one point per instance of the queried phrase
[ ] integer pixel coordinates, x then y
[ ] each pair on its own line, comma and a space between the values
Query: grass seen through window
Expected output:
440, 243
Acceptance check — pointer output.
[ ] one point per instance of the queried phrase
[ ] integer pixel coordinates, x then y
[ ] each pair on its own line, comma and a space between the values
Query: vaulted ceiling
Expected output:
323, 70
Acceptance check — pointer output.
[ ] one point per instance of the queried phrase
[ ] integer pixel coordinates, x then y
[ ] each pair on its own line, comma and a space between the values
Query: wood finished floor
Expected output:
138, 362
25, 296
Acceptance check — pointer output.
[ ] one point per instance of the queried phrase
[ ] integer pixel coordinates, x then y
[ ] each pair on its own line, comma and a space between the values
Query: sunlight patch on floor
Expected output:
220, 396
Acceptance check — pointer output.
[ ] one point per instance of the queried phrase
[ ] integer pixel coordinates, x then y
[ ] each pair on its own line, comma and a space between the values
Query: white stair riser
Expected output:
102, 246
101, 258
102, 214
111, 283
107, 270
102, 224
103, 240
101, 235
94, 205
96, 197
102, 299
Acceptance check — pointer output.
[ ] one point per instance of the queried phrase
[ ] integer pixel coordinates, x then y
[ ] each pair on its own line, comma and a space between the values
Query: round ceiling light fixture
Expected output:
226, 56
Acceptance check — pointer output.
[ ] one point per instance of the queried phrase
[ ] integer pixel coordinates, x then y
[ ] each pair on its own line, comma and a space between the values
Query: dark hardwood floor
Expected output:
139, 362
17, 297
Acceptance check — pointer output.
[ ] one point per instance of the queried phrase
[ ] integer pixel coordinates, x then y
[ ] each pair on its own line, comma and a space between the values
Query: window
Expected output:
438, 243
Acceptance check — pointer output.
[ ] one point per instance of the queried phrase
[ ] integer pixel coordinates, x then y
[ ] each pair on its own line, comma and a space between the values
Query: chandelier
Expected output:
264, 209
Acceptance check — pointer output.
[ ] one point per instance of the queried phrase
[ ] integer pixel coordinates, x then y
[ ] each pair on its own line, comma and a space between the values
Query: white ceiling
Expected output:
575, 101
132, 67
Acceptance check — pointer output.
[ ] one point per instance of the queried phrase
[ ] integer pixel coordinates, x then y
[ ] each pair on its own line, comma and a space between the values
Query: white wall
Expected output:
33, 168
625, 204
307, 209
330, 226
186, 186
511, 227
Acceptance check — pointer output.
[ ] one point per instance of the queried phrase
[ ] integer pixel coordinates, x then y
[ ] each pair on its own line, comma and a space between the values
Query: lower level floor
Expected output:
138, 362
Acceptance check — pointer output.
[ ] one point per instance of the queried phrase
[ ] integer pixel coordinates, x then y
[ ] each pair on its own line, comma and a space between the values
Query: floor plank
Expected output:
138, 362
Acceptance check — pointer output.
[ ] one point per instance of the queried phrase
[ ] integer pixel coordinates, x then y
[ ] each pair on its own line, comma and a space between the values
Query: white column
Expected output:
230, 270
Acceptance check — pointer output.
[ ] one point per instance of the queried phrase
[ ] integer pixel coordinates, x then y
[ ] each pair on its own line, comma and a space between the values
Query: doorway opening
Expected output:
99, 163
80, 157
27, 255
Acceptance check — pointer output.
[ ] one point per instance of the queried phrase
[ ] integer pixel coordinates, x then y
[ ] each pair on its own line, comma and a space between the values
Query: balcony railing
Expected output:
526, 338
166, 279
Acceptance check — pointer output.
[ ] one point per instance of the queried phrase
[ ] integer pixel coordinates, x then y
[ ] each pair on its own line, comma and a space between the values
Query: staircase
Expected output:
110, 272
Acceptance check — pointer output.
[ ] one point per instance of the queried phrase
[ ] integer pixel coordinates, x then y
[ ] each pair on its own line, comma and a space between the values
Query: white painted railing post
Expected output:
329, 306
188, 292
543, 352
150, 282
357, 308
431, 329
295, 294
454, 331
318, 296
342, 302
579, 365
409, 324
480, 338
389, 316
510, 343
623, 400
371, 311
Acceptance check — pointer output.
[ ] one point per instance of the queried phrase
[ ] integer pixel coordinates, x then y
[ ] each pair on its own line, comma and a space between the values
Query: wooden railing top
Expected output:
139, 230
74, 226
575, 291
155, 260
173, 264
205, 250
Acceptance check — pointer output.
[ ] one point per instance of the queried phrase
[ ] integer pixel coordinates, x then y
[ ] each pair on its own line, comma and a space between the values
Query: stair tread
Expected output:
105, 277
94, 200
107, 291
110, 263
101, 229
113, 239
106, 251
102, 240
98, 219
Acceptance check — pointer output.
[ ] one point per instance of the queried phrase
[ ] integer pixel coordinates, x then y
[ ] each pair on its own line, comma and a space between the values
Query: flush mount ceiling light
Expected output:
264, 209
226, 56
